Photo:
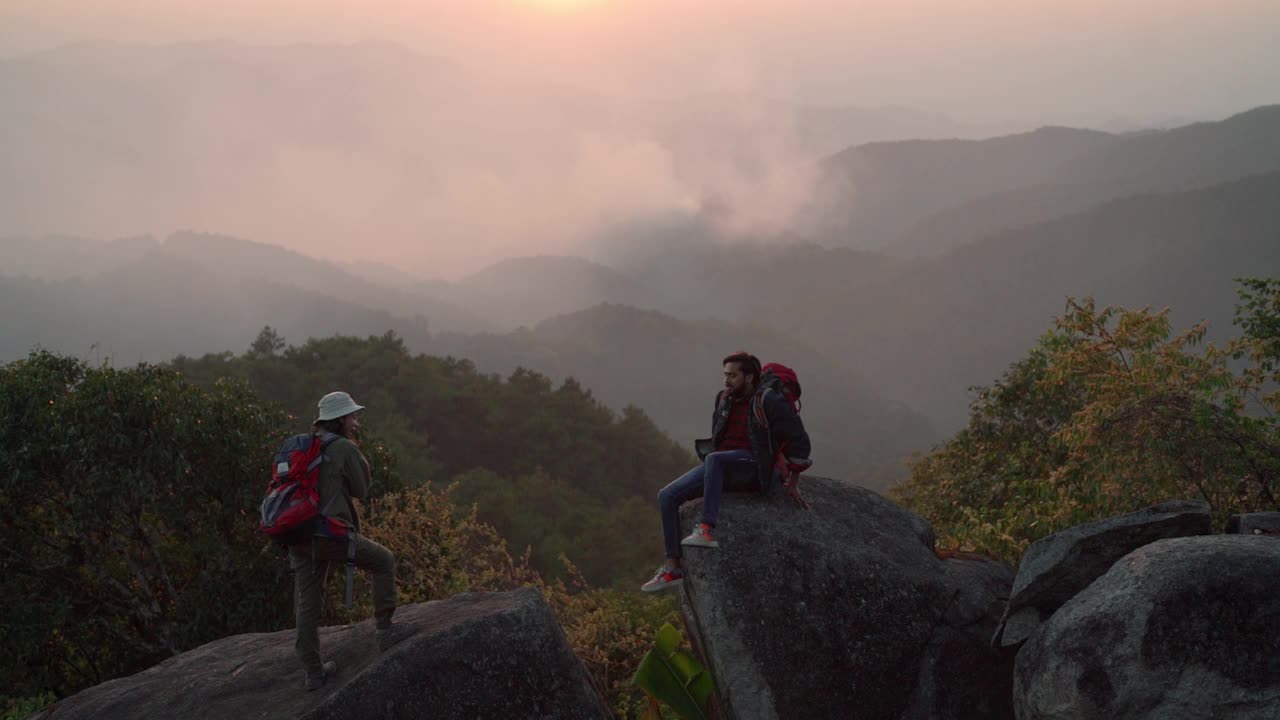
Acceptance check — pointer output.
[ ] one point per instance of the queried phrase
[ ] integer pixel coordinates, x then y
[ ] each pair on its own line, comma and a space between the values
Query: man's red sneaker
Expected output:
700, 537
666, 578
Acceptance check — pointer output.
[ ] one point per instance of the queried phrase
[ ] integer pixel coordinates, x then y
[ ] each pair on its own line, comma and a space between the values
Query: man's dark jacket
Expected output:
773, 427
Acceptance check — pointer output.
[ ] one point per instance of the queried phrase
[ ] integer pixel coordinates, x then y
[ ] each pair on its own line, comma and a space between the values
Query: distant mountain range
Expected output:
162, 305
898, 343
220, 260
938, 325
920, 268
527, 290
671, 369
196, 294
922, 331
927, 197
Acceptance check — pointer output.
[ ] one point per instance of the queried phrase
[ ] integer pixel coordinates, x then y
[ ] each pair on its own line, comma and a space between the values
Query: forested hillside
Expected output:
549, 466
138, 536
197, 294
672, 370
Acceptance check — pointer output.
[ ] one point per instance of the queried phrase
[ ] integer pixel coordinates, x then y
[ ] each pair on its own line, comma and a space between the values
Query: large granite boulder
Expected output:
476, 655
844, 610
1058, 566
1255, 523
1182, 629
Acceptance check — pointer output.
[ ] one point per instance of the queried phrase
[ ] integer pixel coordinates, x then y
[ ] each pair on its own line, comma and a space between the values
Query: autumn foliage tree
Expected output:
1111, 411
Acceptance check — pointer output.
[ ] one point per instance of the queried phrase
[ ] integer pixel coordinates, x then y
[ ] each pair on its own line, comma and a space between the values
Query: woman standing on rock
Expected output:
344, 474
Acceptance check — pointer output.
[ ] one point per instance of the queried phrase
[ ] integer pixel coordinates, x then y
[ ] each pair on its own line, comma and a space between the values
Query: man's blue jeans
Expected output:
705, 481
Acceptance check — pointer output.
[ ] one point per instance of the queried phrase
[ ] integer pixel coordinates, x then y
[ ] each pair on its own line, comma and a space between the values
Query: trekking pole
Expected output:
351, 568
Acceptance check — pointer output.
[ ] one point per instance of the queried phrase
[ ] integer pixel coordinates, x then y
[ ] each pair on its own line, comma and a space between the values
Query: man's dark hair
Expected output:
748, 364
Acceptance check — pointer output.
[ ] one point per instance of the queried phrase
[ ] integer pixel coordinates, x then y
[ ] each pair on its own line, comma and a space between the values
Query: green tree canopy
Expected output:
129, 531
551, 468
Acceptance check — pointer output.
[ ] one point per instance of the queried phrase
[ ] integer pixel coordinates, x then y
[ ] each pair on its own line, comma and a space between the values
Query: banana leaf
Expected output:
675, 677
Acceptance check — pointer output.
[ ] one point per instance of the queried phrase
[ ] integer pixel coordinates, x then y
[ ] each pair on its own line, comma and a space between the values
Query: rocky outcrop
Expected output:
1057, 566
1256, 523
476, 655
844, 610
1179, 629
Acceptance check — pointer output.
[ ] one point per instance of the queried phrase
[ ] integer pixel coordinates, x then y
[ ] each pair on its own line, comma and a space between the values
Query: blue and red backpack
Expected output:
291, 509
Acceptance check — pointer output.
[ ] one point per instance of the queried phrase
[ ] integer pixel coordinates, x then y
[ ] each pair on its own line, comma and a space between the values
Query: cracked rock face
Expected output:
844, 611
1179, 629
475, 655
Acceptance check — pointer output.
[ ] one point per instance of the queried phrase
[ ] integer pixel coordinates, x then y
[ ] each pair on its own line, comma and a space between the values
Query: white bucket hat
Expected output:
336, 405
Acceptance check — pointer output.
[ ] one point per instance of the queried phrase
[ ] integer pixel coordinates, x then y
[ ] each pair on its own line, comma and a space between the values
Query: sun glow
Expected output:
561, 6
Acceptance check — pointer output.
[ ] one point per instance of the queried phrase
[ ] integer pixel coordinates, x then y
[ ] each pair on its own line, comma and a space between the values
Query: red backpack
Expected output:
775, 377
291, 509
782, 379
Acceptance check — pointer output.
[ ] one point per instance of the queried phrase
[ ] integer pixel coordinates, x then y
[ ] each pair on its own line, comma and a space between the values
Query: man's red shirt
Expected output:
736, 435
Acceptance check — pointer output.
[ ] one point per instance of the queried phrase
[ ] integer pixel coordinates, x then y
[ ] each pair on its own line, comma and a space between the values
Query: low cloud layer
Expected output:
471, 131
374, 153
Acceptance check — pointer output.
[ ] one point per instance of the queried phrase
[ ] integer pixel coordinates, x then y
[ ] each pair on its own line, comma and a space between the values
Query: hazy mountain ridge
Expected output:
917, 198
197, 294
230, 259
164, 305
927, 333
917, 332
61, 257
253, 261
869, 195
695, 272
671, 369
525, 290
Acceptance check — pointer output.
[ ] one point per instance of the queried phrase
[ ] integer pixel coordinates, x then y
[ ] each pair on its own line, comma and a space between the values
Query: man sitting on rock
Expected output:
748, 431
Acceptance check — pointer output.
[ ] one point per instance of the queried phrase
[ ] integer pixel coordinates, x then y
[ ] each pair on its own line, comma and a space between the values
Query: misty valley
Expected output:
1037, 362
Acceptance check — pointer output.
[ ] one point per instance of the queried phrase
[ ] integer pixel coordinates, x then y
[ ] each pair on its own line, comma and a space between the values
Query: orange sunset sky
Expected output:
1047, 60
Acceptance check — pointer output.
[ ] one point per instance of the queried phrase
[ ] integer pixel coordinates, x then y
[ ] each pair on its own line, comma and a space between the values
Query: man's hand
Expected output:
792, 486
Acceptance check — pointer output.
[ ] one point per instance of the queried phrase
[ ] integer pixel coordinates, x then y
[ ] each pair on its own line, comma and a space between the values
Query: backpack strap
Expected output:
327, 438
757, 407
